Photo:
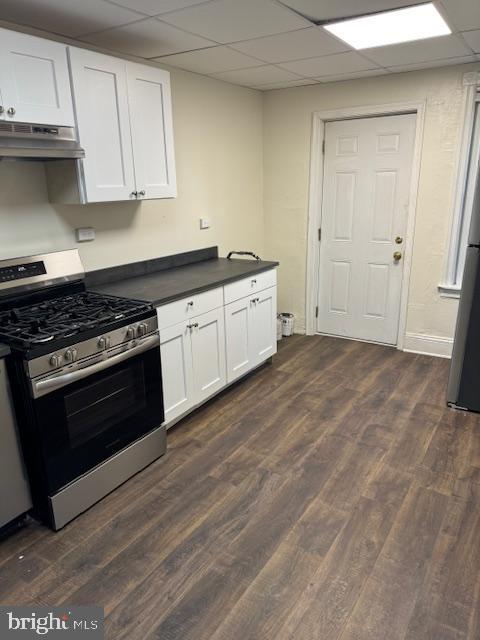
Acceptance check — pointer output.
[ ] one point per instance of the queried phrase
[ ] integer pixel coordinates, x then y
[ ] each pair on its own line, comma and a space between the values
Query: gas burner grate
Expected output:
63, 317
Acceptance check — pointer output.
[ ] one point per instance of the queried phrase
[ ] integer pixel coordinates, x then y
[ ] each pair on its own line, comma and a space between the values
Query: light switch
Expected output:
85, 234
204, 223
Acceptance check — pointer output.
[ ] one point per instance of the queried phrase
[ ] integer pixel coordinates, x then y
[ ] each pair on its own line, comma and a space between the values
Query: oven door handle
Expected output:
42, 387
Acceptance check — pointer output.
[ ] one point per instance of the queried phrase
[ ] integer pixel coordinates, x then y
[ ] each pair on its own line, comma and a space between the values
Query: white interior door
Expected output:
367, 172
152, 131
34, 80
208, 353
101, 101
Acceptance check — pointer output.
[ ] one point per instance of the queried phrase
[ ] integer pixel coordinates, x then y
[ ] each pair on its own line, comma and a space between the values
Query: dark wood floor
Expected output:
330, 496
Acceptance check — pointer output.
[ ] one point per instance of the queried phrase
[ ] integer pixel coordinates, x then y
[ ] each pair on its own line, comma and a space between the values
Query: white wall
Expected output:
218, 145
287, 133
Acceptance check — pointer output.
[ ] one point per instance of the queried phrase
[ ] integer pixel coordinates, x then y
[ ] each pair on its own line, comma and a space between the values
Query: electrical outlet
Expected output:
85, 234
204, 223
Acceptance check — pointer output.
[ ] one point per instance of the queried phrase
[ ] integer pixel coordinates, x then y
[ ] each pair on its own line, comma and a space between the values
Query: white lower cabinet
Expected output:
250, 326
238, 339
203, 353
263, 326
208, 354
177, 370
193, 362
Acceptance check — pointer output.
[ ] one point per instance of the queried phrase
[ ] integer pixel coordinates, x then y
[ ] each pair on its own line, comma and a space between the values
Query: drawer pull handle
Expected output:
254, 282
190, 303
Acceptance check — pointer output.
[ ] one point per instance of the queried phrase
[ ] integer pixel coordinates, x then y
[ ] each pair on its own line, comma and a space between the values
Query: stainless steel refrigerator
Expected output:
464, 381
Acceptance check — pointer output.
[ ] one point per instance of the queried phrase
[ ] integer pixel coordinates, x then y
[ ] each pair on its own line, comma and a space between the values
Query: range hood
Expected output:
38, 141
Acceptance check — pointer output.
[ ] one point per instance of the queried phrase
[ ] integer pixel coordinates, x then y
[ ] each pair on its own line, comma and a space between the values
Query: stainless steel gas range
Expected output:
86, 381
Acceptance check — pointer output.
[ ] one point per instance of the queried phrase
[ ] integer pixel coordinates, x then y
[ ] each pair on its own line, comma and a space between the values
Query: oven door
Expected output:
86, 415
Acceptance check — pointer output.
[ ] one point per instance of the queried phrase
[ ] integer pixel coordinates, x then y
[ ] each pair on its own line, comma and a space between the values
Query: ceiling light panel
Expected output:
391, 27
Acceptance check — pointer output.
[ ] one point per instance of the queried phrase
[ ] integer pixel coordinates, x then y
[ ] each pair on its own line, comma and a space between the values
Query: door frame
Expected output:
315, 200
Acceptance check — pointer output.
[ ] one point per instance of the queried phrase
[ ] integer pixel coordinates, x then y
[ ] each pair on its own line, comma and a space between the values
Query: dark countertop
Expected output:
4, 350
178, 282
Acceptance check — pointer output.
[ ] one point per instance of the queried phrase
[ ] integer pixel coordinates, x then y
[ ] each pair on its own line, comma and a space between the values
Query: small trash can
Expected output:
279, 327
288, 324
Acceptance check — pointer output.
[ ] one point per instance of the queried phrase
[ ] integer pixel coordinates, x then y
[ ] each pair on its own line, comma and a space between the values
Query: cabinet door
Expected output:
34, 80
101, 107
208, 352
263, 325
237, 337
152, 131
177, 370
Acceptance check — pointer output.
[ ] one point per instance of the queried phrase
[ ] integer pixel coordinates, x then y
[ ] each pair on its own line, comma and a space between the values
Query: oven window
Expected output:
84, 423
97, 407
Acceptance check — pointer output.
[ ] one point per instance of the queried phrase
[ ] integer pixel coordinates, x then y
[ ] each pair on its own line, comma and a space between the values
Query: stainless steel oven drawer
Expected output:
96, 484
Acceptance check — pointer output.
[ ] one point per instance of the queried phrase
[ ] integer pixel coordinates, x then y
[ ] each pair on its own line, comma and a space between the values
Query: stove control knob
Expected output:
70, 355
54, 360
142, 329
102, 343
131, 333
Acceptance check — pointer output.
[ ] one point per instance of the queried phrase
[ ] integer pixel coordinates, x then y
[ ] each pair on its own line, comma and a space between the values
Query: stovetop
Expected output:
64, 319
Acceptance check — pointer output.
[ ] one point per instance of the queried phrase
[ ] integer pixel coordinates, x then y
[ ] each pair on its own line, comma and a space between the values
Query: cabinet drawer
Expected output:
252, 284
173, 312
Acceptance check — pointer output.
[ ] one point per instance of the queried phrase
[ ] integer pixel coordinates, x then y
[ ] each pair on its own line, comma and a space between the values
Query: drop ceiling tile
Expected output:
331, 9
227, 21
472, 38
444, 62
211, 60
329, 65
148, 38
352, 76
418, 51
463, 14
294, 45
66, 17
156, 7
256, 76
288, 84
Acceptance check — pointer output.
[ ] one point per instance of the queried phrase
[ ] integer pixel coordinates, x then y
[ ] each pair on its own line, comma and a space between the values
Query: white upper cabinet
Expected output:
124, 119
34, 80
101, 107
152, 131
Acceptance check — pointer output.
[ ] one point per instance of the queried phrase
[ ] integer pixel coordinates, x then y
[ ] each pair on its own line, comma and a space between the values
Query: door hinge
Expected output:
319, 235
316, 312
323, 146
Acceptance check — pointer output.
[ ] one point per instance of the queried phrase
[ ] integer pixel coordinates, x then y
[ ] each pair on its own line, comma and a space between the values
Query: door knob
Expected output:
397, 256
11, 111
398, 240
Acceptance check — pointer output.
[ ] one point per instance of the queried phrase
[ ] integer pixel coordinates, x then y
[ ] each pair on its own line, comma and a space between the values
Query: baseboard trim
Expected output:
428, 345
